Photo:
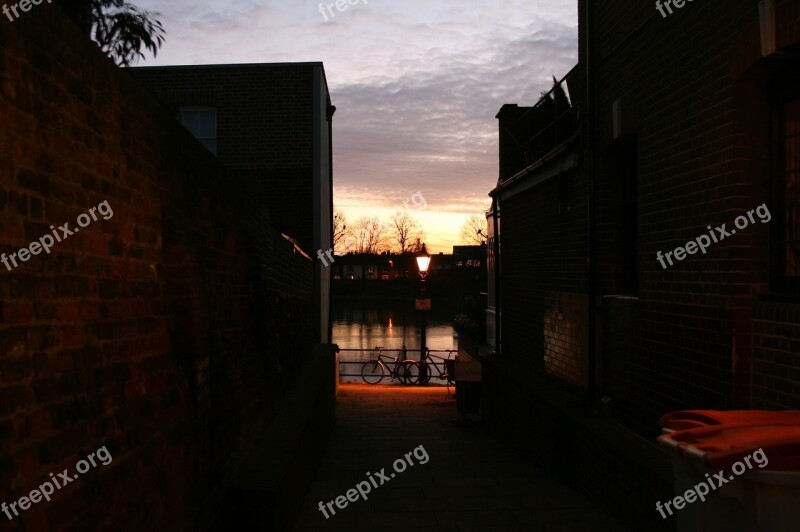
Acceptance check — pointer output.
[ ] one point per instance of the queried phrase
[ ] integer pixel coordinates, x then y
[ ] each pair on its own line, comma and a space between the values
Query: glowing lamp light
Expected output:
423, 262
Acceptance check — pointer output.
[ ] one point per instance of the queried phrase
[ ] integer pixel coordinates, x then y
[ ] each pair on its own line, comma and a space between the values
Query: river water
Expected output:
357, 326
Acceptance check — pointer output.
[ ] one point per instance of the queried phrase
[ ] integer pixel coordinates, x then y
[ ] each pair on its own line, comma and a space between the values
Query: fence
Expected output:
351, 360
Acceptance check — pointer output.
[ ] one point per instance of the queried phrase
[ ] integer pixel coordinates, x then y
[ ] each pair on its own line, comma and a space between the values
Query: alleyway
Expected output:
470, 482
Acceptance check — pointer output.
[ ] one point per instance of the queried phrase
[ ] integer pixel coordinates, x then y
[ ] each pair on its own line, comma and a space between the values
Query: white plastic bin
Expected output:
759, 500
763, 501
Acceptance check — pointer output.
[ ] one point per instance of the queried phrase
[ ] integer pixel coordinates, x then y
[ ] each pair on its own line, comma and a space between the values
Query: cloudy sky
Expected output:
416, 85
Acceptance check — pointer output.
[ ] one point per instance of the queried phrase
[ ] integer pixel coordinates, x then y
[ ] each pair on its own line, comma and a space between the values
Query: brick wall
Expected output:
565, 338
164, 332
543, 263
702, 132
776, 356
711, 331
541, 255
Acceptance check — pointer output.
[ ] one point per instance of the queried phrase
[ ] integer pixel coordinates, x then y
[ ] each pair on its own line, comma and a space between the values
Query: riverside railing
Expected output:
351, 360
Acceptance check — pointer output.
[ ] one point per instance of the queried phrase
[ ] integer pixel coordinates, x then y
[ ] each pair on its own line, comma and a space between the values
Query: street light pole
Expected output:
423, 262
423, 341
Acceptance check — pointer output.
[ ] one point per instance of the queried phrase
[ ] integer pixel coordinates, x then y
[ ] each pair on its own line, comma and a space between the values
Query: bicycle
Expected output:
373, 371
445, 372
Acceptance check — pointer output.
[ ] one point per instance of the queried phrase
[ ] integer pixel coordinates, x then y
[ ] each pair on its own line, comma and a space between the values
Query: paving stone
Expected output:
471, 481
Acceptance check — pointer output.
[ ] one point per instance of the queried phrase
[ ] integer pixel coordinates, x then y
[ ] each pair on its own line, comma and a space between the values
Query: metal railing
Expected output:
555, 118
353, 363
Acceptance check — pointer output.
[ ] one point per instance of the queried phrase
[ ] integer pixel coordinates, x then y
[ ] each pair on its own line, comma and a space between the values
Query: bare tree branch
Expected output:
340, 232
401, 230
474, 230
369, 236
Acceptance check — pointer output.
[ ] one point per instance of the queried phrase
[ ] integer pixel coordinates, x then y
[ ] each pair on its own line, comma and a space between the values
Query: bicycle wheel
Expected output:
372, 372
408, 372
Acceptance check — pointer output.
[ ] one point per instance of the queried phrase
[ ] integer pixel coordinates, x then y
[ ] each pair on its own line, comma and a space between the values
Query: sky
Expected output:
416, 85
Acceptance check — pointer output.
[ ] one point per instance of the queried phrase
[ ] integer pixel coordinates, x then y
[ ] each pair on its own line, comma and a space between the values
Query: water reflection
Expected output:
358, 327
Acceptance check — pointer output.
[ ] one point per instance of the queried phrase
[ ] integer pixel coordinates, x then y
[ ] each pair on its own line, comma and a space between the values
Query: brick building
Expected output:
270, 124
665, 129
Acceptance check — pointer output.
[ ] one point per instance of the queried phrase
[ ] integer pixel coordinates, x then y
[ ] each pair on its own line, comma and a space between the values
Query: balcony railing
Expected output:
552, 121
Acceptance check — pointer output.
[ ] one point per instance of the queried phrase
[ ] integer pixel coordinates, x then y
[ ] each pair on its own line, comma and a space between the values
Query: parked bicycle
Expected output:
405, 371
445, 369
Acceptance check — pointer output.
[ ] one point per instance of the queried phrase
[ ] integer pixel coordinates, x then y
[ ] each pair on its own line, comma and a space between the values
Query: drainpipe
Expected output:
496, 251
591, 214
331, 110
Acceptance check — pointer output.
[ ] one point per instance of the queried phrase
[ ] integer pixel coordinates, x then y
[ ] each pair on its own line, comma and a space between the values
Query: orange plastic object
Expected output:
692, 419
718, 447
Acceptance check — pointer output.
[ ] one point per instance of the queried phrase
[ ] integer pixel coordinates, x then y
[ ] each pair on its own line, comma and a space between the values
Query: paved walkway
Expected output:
470, 482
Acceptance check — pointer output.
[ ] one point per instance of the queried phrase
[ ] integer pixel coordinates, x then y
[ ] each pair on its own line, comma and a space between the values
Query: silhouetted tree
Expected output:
340, 233
369, 236
403, 229
474, 230
121, 30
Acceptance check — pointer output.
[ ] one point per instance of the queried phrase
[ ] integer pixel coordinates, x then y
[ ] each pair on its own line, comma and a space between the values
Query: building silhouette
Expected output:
666, 129
271, 125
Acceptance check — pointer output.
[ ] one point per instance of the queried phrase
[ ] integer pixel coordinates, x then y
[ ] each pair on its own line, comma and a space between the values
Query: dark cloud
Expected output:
416, 83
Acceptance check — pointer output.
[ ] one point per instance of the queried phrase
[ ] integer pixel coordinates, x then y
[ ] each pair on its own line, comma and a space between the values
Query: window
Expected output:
202, 123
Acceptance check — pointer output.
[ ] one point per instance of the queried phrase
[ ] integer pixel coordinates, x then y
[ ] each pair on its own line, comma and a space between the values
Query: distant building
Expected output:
469, 256
370, 266
388, 266
270, 124
441, 262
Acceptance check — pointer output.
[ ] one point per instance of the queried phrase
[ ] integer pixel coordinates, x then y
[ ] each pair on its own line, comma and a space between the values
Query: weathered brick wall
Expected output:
776, 356
164, 332
565, 336
269, 145
709, 331
661, 350
687, 342
543, 240
542, 260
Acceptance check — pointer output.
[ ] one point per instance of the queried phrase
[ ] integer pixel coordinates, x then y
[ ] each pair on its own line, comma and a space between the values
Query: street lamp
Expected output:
423, 262
423, 304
